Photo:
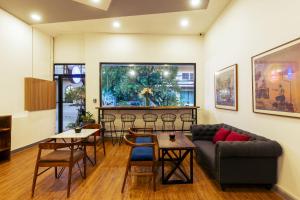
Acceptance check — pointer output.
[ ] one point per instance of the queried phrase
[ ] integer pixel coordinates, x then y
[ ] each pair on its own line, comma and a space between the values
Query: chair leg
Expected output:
154, 126
173, 126
95, 152
111, 135
163, 128
182, 126
154, 178
125, 177
84, 163
122, 133
114, 126
103, 143
69, 180
34, 179
55, 172
145, 126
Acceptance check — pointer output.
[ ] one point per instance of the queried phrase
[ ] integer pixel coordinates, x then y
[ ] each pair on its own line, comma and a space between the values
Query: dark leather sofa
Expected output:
251, 162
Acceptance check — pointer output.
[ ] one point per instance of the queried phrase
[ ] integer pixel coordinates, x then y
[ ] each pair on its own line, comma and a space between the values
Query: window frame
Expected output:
144, 63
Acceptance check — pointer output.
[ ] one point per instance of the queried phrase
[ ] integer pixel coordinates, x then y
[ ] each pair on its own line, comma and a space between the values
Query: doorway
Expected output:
70, 95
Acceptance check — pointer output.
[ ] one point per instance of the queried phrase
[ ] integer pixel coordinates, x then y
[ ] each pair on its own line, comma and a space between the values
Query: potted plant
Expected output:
87, 118
146, 92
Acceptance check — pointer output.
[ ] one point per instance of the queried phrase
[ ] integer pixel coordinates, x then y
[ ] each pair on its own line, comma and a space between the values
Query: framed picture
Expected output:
226, 95
276, 80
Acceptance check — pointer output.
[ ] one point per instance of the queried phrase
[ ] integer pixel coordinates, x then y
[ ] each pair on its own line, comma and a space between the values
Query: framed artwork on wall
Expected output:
276, 80
226, 94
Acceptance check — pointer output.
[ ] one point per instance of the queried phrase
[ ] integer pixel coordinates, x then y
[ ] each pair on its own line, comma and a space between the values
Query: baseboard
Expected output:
27, 146
282, 193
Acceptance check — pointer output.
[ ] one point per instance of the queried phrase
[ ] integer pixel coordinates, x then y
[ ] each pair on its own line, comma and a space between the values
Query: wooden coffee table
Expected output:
174, 152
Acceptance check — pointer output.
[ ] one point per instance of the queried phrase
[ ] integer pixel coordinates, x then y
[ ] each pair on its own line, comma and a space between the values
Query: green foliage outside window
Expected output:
123, 84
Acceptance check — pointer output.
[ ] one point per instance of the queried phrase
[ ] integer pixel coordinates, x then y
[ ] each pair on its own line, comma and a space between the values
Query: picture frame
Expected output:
276, 81
226, 88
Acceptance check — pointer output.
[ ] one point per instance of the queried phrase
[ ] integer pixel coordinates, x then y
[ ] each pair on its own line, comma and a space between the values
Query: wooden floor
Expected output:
104, 181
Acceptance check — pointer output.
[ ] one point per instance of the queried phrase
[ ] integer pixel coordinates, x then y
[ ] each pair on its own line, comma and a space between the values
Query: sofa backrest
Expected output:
252, 135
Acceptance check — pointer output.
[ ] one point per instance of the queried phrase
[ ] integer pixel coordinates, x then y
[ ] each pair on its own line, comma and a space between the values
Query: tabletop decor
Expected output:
226, 94
276, 81
172, 136
78, 129
146, 92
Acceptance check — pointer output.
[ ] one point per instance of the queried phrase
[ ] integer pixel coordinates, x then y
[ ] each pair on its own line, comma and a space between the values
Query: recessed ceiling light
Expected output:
116, 24
36, 17
184, 23
195, 3
95, 1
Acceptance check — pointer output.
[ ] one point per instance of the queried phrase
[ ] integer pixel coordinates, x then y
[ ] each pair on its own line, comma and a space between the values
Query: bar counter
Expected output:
192, 108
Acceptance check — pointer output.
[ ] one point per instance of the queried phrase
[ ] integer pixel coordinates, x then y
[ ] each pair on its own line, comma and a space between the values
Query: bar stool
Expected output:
109, 118
126, 119
186, 118
168, 118
150, 118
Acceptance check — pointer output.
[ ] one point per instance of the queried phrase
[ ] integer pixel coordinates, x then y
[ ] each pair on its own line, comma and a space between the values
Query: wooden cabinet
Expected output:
5, 137
39, 94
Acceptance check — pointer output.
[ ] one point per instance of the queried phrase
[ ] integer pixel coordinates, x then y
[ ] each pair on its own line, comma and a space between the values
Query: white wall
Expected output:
24, 52
246, 28
95, 48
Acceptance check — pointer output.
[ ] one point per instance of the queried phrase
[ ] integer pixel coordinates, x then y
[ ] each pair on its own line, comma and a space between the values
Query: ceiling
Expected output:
73, 10
134, 16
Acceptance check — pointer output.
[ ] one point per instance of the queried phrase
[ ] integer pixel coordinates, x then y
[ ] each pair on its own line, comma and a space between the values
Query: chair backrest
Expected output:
108, 118
149, 117
94, 126
53, 145
186, 117
130, 140
168, 117
128, 117
134, 130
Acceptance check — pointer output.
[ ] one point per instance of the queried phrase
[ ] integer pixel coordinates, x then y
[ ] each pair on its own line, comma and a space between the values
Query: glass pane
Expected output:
73, 101
147, 84
59, 69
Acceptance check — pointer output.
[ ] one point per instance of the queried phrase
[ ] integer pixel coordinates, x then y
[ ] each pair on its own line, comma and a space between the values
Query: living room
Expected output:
202, 51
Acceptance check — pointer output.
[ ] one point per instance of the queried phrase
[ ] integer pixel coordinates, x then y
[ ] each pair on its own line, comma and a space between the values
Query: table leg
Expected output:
163, 166
191, 166
98, 116
177, 161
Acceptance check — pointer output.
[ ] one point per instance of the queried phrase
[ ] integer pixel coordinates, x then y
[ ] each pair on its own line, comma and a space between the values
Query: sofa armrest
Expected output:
204, 132
248, 149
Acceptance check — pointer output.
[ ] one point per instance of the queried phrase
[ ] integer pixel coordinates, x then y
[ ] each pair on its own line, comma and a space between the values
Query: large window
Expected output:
124, 84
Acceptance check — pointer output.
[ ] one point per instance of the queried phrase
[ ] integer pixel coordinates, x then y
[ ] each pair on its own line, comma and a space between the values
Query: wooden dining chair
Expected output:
62, 155
96, 139
142, 155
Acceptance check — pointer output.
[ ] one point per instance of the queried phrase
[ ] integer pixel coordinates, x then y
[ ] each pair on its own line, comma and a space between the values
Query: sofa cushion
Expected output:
234, 136
205, 151
221, 135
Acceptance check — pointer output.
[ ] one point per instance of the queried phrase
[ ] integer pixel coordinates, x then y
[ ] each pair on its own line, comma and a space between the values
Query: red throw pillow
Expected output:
234, 136
221, 135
